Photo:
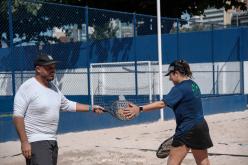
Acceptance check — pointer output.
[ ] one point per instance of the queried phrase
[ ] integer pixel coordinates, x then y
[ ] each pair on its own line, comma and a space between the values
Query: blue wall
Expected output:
195, 47
218, 104
70, 122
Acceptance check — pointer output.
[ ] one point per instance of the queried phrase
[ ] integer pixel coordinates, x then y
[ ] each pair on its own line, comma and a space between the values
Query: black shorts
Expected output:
196, 138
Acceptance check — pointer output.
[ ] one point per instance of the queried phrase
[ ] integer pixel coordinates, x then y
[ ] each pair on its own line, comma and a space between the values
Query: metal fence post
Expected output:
177, 38
88, 57
87, 22
134, 35
212, 56
217, 79
11, 36
242, 90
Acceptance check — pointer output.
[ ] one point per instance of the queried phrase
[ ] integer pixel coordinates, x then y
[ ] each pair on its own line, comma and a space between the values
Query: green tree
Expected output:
44, 17
168, 8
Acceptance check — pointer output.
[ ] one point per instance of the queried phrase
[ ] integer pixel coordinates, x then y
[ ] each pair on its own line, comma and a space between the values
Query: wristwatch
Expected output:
141, 109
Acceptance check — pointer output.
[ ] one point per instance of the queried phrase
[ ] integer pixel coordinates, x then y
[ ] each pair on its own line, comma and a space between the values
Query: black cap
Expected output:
44, 59
171, 68
176, 66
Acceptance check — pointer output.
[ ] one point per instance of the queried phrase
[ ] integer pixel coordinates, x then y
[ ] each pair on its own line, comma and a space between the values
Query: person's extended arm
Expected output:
20, 127
82, 107
86, 108
132, 110
153, 106
68, 105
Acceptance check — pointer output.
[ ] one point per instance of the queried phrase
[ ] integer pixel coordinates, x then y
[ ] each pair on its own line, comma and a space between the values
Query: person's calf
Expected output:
201, 157
177, 154
203, 162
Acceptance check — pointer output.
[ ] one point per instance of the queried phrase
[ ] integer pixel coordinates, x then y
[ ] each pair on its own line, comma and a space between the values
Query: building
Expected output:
222, 17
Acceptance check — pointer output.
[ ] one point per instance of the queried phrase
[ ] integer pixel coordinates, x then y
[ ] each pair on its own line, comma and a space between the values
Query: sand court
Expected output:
136, 144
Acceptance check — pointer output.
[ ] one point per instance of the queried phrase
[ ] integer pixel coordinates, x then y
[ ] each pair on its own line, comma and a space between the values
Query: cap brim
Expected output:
51, 62
45, 63
170, 69
167, 74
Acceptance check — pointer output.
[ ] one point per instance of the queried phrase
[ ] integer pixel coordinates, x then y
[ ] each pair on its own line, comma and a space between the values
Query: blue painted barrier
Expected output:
72, 122
218, 104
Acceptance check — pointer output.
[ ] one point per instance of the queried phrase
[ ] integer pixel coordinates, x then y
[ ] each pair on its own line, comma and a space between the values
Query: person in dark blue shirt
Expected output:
192, 132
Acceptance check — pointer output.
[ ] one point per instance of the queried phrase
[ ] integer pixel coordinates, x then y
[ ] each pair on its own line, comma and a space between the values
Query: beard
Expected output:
50, 78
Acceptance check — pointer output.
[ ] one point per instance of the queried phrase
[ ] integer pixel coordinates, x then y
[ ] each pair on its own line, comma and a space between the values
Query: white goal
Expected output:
124, 78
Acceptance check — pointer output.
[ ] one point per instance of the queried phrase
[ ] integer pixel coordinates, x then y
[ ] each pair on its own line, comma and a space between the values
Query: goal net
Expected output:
136, 82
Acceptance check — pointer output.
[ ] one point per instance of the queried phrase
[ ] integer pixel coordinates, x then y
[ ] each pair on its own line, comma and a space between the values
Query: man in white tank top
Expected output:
37, 105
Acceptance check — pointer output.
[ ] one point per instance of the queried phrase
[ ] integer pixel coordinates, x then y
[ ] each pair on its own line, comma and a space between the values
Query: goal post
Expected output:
118, 79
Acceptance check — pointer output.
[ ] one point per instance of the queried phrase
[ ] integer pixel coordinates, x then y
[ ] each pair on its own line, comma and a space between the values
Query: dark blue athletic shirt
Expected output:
184, 99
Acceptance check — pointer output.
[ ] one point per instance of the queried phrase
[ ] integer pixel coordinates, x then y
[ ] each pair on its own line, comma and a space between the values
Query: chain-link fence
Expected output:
75, 34
4, 22
37, 23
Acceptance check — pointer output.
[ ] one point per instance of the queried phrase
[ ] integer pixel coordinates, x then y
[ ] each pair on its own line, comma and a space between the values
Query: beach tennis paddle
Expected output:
117, 108
164, 148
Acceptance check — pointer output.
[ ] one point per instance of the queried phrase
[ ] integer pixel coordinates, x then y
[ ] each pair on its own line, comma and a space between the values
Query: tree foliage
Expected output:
44, 17
169, 8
